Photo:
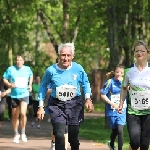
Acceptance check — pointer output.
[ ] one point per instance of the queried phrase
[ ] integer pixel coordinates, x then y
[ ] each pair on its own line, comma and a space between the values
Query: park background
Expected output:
103, 32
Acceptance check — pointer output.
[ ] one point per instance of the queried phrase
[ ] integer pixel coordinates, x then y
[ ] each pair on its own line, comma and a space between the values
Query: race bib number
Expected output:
116, 99
21, 82
65, 92
140, 100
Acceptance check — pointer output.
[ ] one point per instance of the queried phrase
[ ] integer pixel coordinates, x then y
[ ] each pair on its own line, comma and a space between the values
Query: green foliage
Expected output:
100, 25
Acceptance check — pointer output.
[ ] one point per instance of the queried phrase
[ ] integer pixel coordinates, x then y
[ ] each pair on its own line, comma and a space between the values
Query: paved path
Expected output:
40, 139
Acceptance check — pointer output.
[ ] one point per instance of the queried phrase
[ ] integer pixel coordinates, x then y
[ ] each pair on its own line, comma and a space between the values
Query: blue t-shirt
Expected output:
114, 87
74, 75
19, 76
49, 86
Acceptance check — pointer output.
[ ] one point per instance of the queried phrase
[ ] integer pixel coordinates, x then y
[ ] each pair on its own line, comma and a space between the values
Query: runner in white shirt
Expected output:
138, 109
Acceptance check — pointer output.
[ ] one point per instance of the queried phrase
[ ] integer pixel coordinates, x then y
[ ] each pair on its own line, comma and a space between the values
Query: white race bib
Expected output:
140, 100
116, 99
21, 82
65, 92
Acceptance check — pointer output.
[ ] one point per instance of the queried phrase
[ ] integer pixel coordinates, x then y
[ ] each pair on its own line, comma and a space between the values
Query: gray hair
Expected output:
66, 45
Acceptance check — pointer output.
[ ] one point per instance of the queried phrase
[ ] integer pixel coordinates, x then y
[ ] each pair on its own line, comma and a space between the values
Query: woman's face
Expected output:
140, 53
19, 61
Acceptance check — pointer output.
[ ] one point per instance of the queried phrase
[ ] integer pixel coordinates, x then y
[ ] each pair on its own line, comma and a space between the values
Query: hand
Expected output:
40, 113
89, 105
120, 108
115, 106
12, 85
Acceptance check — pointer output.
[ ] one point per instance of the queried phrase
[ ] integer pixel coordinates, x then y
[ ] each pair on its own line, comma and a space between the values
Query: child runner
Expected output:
110, 93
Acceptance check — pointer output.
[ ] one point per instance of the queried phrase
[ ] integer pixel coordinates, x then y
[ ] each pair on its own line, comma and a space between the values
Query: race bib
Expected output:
65, 92
140, 100
116, 99
21, 82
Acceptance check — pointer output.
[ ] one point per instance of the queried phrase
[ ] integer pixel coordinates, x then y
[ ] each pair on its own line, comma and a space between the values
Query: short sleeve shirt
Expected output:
138, 81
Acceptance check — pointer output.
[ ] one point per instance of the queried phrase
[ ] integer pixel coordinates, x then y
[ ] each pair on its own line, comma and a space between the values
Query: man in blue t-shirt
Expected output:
19, 78
66, 78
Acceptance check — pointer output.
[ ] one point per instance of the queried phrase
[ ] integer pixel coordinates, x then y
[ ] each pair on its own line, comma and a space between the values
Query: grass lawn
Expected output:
94, 129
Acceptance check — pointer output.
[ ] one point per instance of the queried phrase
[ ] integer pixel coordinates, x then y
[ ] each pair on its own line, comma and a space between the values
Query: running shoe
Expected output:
49, 120
111, 148
24, 138
38, 126
9, 119
52, 146
32, 124
16, 138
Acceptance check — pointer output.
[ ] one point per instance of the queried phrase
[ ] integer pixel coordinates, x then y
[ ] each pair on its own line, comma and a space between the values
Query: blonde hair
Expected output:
66, 45
110, 74
141, 42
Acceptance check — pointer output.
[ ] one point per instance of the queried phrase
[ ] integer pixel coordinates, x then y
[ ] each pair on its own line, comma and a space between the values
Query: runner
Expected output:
66, 102
47, 99
35, 102
110, 93
138, 112
17, 78
3, 93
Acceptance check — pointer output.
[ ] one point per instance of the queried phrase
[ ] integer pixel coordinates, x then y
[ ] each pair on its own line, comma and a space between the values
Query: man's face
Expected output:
65, 57
19, 61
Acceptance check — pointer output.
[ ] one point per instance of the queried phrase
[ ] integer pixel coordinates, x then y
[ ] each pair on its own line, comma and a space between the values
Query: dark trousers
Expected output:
139, 131
117, 132
2, 109
62, 114
8, 100
35, 107
59, 131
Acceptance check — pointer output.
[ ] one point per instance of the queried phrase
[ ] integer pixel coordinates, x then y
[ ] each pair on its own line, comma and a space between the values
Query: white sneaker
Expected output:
24, 138
32, 124
49, 120
52, 146
38, 126
16, 138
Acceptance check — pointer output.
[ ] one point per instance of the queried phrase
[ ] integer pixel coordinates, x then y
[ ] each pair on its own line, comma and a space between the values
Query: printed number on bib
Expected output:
21, 82
116, 99
65, 92
140, 100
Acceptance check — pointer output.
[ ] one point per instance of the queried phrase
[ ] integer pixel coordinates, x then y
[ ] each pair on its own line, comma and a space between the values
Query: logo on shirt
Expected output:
74, 76
114, 85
